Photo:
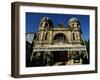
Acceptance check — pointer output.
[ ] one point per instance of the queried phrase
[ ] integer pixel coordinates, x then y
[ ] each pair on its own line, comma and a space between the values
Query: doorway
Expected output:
60, 56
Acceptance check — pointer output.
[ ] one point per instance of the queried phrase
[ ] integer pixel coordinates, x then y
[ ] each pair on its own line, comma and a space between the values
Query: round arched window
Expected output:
60, 38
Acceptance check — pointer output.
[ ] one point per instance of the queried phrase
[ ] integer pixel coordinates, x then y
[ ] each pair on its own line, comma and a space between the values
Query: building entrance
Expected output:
60, 56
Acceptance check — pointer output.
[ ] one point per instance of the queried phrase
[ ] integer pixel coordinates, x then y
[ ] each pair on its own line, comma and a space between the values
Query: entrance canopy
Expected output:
60, 48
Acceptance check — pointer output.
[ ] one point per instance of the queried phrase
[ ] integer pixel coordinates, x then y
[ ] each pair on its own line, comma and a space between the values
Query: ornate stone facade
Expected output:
48, 35
58, 45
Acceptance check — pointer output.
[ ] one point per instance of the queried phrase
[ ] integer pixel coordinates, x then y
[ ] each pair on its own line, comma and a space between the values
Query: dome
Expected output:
46, 22
45, 19
73, 20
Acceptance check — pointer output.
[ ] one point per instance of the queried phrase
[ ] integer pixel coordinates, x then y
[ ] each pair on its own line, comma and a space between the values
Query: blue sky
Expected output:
33, 20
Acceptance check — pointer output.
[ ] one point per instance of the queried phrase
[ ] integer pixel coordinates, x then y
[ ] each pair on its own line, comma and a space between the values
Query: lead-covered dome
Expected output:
46, 22
74, 23
73, 20
46, 19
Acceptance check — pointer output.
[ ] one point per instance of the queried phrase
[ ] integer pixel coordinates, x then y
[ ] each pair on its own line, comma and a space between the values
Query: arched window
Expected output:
77, 25
72, 25
73, 36
60, 38
47, 25
46, 36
